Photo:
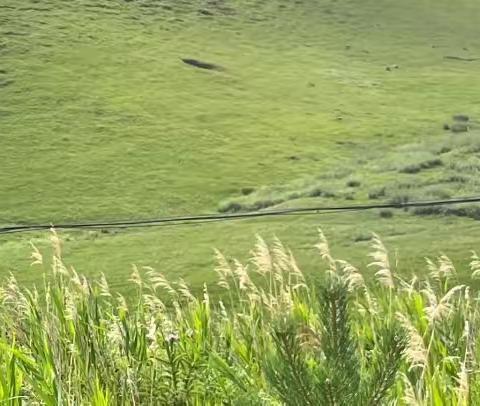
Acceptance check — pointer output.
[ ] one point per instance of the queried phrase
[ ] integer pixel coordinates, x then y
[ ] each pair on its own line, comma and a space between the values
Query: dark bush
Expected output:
377, 193
457, 179
247, 190
263, 204
429, 211
444, 149
319, 192
472, 212
415, 168
353, 183
230, 207
362, 237
386, 214
399, 200
459, 128
294, 195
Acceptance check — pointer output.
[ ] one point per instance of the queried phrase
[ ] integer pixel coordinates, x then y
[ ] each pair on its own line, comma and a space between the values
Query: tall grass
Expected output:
275, 339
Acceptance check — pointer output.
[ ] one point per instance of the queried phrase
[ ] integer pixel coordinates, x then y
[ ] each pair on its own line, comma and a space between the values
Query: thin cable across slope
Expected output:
206, 218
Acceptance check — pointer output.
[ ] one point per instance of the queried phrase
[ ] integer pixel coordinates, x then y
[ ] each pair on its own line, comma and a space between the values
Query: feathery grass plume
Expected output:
103, 286
381, 261
416, 352
409, 287
56, 243
185, 292
438, 310
446, 267
324, 249
241, 273
475, 265
352, 276
261, 257
158, 280
135, 277
281, 259
441, 271
295, 270
36, 255
223, 270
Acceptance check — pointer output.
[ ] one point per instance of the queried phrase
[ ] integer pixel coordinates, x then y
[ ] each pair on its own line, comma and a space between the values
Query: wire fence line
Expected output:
208, 218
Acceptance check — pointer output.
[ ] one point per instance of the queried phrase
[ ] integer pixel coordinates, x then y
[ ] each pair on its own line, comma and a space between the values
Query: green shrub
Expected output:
318, 191
230, 207
386, 214
377, 193
429, 211
417, 167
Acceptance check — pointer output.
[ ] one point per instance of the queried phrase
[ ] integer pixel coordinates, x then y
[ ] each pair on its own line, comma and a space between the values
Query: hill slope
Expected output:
102, 120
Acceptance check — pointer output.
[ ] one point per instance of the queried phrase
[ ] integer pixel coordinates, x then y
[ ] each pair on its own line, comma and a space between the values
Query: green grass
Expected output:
277, 338
101, 120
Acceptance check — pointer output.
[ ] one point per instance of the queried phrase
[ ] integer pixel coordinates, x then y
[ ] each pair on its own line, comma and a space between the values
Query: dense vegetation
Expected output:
276, 338
317, 103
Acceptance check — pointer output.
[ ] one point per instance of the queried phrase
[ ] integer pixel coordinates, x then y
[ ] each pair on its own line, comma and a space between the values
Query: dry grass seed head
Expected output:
158, 280
324, 249
184, 291
36, 255
261, 257
103, 286
352, 276
135, 276
475, 265
56, 243
294, 269
416, 352
281, 257
381, 261
241, 273
223, 270
438, 310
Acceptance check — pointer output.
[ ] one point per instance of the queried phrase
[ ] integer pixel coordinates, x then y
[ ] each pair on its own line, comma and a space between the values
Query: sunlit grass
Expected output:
274, 337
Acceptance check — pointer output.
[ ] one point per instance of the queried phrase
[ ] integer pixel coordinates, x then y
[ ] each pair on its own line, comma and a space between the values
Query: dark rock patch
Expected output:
200, 64
247, 190
459, 58
205, 12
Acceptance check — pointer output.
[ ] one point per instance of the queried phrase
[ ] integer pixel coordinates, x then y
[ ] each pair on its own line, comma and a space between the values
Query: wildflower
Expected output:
172, 338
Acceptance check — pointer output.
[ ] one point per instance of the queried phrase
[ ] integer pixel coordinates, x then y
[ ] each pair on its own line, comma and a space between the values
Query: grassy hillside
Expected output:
318, 102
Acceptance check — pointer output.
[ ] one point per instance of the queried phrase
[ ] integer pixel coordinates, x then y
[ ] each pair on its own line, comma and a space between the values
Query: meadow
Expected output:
318, 103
